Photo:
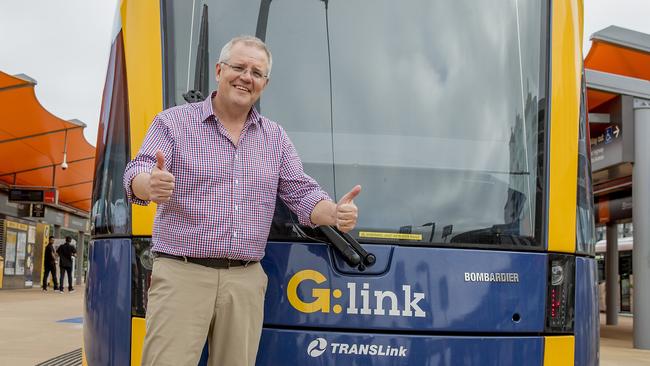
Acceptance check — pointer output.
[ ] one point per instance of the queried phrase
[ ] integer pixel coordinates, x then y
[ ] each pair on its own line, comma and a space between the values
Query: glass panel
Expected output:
110, 210
436, 109
226, 19
436, 116
585, 222
10, 253
600, 258
21, 252
625, 272
304, 115
435, 112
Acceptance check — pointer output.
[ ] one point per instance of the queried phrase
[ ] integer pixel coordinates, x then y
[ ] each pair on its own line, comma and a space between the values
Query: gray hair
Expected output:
249, 41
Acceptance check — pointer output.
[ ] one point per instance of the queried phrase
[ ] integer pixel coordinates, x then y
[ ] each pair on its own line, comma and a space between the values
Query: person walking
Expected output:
66, 252
49, 265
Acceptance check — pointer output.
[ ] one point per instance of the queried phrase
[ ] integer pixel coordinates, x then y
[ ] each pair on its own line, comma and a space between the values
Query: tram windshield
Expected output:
436, 108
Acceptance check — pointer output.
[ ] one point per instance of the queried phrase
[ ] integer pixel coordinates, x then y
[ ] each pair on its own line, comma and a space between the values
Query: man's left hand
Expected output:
346, 210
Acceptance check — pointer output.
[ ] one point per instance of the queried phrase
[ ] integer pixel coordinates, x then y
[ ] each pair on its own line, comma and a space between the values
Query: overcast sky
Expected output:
64, 45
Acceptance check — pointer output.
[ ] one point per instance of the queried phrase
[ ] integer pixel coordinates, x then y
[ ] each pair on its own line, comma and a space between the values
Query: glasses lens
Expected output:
255, 74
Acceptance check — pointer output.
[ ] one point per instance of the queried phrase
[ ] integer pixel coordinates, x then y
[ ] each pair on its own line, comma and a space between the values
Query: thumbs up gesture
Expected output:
346, 210
161, 182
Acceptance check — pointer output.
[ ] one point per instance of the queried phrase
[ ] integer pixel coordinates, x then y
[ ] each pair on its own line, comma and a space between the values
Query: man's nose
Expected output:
246, 74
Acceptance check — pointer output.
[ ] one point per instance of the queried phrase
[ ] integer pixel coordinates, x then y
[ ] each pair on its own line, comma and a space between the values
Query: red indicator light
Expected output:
554, 304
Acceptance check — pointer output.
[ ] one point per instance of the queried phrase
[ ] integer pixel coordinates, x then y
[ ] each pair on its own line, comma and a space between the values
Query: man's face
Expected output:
238, 84
51, 241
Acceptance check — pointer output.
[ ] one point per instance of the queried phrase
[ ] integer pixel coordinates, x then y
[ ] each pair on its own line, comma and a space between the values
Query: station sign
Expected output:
611, 132
607, 149
613, 210
31, 195
37, 210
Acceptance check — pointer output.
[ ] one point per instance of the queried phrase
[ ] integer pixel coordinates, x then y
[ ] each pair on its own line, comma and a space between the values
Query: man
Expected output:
66, 252
215, 169
49, 264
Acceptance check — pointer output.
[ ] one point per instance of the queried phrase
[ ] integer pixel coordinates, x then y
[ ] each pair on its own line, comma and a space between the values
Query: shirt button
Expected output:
234, 234
236, 181
235, 156
235, 207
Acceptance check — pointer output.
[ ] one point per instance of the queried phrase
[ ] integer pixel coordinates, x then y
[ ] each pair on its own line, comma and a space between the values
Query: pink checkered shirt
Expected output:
224, 197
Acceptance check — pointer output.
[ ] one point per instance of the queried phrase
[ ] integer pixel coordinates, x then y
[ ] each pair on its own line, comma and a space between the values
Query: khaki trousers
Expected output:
189, 304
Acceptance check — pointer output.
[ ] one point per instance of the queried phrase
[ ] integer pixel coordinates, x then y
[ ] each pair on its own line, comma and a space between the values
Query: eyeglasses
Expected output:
241, 70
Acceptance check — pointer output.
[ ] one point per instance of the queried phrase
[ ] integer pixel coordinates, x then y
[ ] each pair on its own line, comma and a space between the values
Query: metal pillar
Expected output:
641, 217
80, 258
612, 290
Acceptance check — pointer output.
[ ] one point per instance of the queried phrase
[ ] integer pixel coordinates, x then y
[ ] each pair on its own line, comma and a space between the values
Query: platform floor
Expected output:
38, 326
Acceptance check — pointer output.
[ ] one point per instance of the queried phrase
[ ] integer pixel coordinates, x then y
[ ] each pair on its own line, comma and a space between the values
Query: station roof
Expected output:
33, 141
617, 51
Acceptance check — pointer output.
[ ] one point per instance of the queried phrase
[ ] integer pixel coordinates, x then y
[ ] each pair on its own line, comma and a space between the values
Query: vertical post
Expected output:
80, 257
612, 290
641, 217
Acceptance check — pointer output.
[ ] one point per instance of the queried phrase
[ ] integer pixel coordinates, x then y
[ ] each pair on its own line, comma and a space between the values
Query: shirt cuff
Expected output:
128, 179
307, 207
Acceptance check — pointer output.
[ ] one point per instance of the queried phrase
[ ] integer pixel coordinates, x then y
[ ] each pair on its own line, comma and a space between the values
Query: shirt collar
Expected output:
207, 111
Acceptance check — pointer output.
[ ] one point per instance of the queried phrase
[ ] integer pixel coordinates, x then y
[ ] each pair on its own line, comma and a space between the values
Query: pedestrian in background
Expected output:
49, 265
66, 252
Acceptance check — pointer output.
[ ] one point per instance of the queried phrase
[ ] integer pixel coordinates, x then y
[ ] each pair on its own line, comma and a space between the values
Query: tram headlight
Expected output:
146, 259
557, 273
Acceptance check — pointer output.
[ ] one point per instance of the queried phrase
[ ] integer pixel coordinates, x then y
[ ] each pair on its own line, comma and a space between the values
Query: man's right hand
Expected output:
161, 182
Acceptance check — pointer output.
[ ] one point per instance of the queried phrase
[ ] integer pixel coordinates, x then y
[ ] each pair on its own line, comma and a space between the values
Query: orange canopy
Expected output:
33, 142
617, 51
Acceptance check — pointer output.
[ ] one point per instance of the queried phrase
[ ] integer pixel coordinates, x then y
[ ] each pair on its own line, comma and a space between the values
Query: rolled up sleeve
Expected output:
158, 138
298, 190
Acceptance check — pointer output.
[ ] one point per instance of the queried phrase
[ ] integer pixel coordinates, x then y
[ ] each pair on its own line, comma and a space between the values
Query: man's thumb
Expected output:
350, 195
160, 160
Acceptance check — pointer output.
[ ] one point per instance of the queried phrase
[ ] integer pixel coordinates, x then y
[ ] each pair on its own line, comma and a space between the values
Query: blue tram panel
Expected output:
107, 309
419, 306
419, 290
587, 316
332, 348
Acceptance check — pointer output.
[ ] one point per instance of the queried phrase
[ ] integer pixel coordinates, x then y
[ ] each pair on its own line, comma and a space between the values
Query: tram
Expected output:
463, 120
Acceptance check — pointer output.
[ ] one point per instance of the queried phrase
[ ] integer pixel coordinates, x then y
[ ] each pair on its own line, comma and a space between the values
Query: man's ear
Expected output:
217, 71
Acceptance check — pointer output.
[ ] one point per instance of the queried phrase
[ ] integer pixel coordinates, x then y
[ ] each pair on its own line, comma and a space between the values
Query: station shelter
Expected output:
617, 74
46, 170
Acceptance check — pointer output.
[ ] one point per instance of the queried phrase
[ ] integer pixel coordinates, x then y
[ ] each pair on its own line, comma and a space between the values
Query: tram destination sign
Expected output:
31, 195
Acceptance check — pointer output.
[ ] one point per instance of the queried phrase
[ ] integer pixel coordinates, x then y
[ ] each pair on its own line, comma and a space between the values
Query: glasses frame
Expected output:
246, 70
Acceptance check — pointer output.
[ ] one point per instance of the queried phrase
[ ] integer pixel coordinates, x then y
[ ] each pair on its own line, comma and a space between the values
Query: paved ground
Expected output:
616, 344
38, 326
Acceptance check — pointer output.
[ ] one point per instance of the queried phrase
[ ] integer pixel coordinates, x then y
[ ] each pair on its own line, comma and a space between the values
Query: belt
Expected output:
207, 262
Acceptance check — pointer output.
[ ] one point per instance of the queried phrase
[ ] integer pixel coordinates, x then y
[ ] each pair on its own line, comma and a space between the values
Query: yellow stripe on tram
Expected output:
558, 351
566, 70
138, 330
143, 53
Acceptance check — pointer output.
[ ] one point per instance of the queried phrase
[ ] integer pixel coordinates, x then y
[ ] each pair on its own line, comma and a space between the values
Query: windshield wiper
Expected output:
502, 234
201, 70
352, 252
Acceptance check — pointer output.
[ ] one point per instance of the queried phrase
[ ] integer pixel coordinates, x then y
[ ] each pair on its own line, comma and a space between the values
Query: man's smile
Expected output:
242, 88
